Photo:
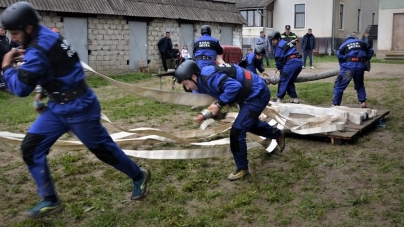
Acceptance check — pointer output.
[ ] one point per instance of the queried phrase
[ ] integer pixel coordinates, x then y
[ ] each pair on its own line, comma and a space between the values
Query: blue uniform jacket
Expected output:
50, 62
354, 48
226, 89
281, 53
206, 45
253, 64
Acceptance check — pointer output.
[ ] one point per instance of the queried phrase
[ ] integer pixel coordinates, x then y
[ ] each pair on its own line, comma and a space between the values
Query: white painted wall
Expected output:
385, 30
318, 16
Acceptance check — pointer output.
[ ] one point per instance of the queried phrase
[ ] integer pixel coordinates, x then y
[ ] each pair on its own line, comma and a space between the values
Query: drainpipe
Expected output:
333, 27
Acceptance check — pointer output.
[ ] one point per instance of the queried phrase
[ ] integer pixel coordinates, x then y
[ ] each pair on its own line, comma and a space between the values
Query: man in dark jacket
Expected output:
166, 48
367, 40
308, 46
4, 48
4, 43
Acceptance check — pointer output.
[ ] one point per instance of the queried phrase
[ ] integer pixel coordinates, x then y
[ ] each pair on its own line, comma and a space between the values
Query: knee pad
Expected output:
105, 155
28, 146
234, 143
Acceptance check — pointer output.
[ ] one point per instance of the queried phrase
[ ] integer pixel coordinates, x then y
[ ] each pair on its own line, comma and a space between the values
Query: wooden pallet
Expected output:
351, 130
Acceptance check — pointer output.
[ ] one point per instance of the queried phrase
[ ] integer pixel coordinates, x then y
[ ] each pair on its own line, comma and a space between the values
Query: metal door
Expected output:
138, 43
187, 38
398, 32
75, 31
226, 37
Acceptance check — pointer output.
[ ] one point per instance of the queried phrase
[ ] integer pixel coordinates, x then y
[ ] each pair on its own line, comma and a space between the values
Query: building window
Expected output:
258, 18
341, 16
254, 17
300, 15
358, 26
244, 14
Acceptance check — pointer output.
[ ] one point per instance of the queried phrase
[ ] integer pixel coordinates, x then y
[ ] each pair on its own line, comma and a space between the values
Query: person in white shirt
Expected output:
185, 52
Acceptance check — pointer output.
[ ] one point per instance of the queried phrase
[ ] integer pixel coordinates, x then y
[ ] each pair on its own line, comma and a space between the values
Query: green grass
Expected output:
360, 183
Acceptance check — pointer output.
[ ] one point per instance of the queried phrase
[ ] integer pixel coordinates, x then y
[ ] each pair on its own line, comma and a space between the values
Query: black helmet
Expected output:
206, 29
19, 15
259, 50
185, 71
275, 35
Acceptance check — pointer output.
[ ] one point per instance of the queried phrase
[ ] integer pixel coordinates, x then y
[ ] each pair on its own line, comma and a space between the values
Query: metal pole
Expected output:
160, 80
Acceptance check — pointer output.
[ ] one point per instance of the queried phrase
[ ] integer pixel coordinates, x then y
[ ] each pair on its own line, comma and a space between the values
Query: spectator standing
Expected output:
263, 42
4, 49
165, 46
4, 43
289, 36
308, 47
367, 40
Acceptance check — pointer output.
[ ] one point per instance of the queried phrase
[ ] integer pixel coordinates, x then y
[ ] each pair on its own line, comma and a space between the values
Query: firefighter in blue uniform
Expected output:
232, 84
288, 64
206, 48
352, 56
51, 62
254, 61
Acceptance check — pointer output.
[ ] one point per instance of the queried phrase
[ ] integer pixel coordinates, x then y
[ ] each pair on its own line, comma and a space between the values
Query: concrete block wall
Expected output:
109, 42
109, 39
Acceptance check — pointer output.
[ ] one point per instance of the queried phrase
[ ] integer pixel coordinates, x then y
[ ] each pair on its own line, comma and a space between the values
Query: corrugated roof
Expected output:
255, 4
221, 11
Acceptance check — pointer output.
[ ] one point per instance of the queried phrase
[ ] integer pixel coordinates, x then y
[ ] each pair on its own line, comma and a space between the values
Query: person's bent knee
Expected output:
28, 147
105, 155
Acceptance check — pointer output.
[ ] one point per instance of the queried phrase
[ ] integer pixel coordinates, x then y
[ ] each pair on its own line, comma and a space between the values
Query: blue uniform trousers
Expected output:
48, 127
289, 73
247, 121
345, 76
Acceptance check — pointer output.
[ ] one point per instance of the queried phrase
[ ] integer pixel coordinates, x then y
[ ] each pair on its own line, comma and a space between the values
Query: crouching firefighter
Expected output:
51, 62
254, 61
232, 84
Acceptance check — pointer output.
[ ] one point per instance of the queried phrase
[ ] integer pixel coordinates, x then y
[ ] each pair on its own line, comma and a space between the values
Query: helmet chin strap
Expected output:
194, 81
28, 37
